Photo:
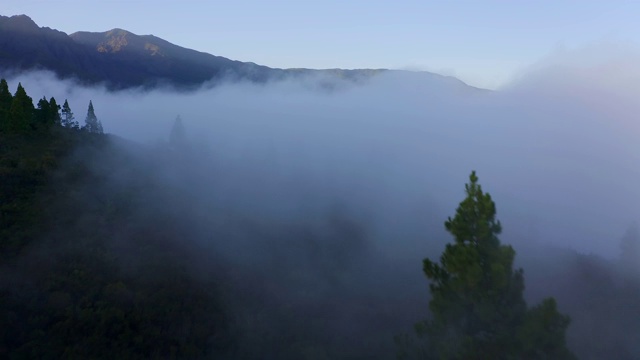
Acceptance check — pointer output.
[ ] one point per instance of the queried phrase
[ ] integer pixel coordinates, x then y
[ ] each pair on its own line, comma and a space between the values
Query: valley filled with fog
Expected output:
555, 147
313, 201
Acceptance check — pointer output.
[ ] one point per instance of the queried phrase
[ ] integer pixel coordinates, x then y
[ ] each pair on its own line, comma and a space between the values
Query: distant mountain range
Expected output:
120, 59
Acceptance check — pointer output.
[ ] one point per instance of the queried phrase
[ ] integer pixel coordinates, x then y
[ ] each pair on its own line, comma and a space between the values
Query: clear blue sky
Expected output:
483, 42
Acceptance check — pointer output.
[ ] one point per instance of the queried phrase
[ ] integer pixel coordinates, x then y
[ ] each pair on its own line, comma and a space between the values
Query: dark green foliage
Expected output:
70, 287
54, 117
67, 118
21, 112
477, 304
542, 335
25, 162
92, 124
47, 114
602, 298
18, 115
5, 104
42, 115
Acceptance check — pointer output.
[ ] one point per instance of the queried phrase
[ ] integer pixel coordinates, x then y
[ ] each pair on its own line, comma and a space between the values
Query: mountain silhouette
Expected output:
120, 59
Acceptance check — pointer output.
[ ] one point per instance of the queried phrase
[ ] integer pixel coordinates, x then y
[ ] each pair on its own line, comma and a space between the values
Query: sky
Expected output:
484, 43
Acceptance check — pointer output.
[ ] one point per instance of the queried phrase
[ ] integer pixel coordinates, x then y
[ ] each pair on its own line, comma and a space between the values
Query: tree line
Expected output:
19, 115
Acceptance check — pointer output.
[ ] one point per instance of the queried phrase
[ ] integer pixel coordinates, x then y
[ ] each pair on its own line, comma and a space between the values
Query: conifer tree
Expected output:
68, 119
5, 104
47, 114
21, 112
54, 117
42, 114
92, 124
478, 307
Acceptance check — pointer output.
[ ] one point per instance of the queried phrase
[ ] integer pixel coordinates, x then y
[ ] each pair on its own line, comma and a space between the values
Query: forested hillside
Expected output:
66, 289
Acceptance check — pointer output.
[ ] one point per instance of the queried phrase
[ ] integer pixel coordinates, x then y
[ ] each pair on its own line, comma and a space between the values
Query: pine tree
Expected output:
21, 112
5, 104
68, 120
42, 114
92, 124
47, 114
54, 116
478, 307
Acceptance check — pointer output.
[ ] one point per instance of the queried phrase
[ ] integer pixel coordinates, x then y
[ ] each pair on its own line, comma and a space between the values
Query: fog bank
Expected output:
556, 148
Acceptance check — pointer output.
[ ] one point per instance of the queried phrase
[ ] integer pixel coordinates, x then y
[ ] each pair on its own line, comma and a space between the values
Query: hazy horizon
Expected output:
290, 218
555, 123
484, 44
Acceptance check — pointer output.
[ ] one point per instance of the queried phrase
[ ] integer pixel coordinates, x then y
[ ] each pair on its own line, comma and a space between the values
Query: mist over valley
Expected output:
288, 218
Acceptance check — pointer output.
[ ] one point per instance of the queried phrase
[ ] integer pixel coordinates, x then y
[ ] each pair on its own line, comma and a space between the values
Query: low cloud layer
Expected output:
557, 147
325, 199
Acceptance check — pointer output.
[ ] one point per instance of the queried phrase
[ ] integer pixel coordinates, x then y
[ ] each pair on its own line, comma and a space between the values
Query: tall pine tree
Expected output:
5, 104
92, 124
54, 112
47, 114
478, 307
42, 114
21, 113
68, 120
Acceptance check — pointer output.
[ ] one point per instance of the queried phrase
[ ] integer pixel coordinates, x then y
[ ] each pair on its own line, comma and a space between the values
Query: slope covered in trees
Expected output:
65, 289
106, 252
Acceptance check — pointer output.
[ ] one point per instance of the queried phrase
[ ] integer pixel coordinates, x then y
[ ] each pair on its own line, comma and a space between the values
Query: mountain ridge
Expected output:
121, 59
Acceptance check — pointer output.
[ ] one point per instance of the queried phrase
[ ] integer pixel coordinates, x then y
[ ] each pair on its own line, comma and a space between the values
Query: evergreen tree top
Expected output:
4, 87
475, 218
5, 94
477, 297
92, 124
20, 92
